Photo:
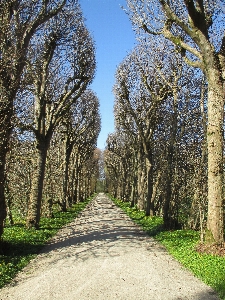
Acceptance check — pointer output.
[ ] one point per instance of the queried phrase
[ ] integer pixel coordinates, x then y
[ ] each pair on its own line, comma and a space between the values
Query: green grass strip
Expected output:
181, 245
22, 244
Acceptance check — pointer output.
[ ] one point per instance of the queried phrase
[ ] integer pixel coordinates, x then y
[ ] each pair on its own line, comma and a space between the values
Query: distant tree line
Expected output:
49, 118
166, 154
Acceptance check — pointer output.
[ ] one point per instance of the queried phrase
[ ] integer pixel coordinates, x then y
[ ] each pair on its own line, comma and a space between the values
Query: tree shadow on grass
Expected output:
155, 230
150, 229
15, 257
11, 249
220, 286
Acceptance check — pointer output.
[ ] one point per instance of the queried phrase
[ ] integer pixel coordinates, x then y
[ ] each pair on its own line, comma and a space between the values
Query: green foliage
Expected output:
20, 244
209, 268
181, 244
152, 225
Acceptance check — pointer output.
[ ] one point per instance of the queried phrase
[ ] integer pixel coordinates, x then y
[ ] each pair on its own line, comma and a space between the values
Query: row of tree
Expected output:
49, 118
166, 154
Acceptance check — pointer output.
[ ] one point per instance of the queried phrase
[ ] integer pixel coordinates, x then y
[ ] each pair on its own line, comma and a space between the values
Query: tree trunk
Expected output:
75, 178
9, 201
75, 189
80, 186
215, 159
168, 193
6, 111
149, 204
68, 151
167, 218
84, 187
154, 191
2, 194
34, 207
72, 185
133, 194
141, 180
89, 188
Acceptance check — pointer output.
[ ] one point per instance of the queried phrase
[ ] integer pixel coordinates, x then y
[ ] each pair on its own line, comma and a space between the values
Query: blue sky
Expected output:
112, 31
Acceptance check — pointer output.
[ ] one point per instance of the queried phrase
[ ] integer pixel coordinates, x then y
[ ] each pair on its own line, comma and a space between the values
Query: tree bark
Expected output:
141, 180
34, 207
154, 191
75, 189
168, 193
133, 195
68, 151
215, 141
6, 112
149, 204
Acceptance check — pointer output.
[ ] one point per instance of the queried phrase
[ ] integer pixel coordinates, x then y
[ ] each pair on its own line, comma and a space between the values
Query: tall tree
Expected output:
19, 21
82, 126
196, 28
59, 69
117, 161
142, 85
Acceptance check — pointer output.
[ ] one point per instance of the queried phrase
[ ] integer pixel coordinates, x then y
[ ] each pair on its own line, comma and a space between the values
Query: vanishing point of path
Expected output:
104, 255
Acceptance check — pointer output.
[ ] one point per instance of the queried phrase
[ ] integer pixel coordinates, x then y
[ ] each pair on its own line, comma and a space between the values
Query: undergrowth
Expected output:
181, 244
20, 244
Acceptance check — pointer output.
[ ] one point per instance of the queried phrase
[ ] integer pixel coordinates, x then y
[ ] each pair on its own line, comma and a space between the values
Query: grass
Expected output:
181, 245
20, 244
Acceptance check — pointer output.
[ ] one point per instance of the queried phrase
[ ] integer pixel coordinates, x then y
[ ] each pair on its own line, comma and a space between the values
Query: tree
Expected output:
178, 144
117, 160
19, 21
196, 28
59, 69
142, 85
82, 126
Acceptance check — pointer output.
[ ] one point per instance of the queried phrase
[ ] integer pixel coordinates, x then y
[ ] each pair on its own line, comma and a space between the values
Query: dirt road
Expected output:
104, 255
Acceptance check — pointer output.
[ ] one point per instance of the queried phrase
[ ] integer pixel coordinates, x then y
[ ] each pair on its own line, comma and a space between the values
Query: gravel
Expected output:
104, 255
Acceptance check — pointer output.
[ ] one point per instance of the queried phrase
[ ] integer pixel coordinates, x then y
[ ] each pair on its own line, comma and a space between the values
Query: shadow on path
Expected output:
104, 255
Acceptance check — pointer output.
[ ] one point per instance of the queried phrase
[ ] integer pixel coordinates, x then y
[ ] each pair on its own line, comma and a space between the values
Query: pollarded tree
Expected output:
19, 22
82, 123
117, 160
99, 177
79, 171
143, 83
84, 146
93, 168
178, 139
60, 68
133, 149
197, 30
111, 166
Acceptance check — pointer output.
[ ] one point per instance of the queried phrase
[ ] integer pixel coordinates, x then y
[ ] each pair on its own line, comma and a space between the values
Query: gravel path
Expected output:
104, 255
